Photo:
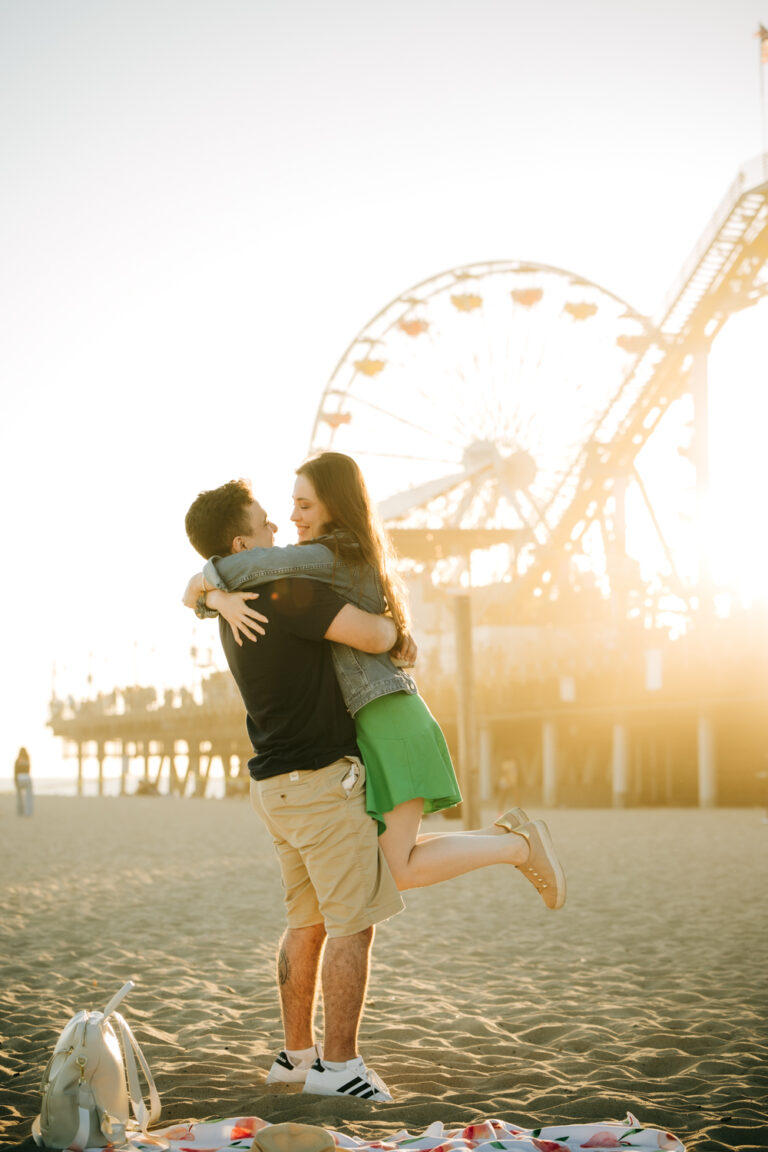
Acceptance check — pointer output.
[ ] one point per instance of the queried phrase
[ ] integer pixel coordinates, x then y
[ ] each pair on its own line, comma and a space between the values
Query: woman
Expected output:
408, 767
25, 804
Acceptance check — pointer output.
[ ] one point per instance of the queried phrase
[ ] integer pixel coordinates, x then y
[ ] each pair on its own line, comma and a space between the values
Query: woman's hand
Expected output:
405, 651
243, 620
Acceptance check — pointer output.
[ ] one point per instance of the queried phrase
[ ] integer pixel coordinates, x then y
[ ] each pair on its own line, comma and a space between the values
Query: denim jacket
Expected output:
362, 676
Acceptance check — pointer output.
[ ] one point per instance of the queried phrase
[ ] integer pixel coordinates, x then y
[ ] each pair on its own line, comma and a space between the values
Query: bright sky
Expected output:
201, 203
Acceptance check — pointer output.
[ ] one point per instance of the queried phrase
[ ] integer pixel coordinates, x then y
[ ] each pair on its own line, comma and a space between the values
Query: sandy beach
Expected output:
648, 992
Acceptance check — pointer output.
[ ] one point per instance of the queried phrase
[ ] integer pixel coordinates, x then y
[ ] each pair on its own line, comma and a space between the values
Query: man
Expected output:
308, 784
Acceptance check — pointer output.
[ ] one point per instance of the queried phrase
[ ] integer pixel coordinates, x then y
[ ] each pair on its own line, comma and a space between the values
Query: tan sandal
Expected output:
542, 867
513, 819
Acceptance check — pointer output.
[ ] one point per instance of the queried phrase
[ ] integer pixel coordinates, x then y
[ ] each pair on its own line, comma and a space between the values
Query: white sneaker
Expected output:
283, 1071
354, 1080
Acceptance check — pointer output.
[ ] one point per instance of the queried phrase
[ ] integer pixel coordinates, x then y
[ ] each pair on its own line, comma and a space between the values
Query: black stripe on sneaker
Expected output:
356, 1087
284, 1062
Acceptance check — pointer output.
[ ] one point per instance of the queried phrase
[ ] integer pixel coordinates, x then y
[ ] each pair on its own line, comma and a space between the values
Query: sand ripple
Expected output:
648, 992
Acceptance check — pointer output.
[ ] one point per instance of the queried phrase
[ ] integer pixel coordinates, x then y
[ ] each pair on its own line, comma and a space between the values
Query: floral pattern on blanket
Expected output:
482, 1136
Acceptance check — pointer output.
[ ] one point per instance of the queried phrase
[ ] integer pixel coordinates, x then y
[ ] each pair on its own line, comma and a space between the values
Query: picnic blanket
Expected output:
246, 1132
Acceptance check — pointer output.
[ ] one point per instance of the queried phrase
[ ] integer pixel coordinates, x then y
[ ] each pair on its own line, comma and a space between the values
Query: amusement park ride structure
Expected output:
521, 397
510, 406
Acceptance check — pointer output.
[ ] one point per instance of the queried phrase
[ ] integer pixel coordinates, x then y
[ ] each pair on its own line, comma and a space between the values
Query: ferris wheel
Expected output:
468, 399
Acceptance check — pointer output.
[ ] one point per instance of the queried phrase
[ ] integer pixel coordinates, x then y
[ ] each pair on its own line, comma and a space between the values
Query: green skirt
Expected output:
405, 756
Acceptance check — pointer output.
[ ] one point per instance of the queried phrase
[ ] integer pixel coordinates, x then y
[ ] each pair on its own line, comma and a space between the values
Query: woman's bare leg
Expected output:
491, 830
417, 862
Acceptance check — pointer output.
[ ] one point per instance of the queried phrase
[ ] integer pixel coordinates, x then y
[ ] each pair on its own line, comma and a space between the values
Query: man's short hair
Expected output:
218, 516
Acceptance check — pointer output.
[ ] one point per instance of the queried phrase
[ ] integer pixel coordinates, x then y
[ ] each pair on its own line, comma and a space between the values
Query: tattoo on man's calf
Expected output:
282, 967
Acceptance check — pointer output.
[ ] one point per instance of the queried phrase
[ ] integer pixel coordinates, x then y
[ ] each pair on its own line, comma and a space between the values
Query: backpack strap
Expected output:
144, 1116
116, 999
80, 1139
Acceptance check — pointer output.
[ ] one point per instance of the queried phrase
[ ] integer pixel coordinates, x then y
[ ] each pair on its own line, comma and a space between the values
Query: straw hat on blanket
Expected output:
293, 1138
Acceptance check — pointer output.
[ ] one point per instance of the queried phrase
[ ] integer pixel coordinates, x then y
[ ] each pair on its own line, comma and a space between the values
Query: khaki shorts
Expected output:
333, 870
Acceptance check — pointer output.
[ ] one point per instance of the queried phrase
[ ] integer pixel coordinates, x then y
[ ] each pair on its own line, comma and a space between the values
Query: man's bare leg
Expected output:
298, 963
345, 980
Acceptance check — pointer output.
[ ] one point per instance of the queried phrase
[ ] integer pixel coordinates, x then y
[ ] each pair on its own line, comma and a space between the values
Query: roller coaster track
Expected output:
721, 276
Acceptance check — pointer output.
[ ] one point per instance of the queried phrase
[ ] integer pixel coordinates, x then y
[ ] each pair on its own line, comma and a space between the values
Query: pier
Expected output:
566, 717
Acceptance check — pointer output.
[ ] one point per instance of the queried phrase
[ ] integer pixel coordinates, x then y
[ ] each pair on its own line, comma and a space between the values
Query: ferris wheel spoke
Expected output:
352, 450
451, 375
465, 501
419, 391
459, 386
402, 420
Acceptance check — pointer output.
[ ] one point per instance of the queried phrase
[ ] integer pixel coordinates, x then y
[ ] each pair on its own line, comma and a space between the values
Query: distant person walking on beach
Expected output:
25, 802
408, 766
507, 784
308, 785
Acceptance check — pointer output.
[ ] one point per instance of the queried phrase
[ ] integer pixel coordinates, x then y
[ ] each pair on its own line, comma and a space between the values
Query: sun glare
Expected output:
738, 423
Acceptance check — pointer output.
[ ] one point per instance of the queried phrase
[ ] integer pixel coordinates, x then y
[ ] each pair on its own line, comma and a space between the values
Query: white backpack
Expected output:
91, 1084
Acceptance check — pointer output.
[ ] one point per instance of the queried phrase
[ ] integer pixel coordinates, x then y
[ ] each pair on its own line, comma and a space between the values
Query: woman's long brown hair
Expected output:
339, 484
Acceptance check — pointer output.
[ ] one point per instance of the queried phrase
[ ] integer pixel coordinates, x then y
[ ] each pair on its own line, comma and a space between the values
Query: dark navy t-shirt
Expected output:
297, 718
